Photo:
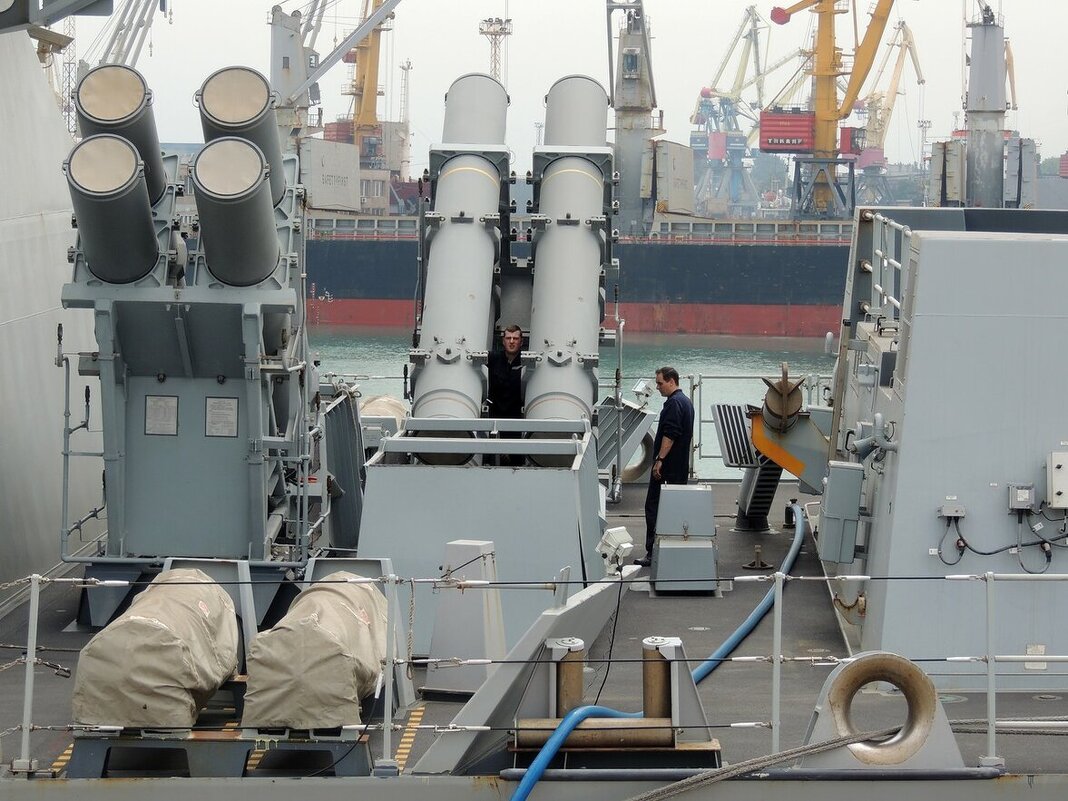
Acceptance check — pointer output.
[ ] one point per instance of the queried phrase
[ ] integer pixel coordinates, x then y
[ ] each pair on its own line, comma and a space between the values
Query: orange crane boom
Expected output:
827, 66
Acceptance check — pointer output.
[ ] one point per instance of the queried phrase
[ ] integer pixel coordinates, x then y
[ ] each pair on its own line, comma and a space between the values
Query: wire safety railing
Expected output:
989, 658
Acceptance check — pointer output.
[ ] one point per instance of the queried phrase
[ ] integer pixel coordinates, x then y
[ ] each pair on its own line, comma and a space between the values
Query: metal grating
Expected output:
732, 428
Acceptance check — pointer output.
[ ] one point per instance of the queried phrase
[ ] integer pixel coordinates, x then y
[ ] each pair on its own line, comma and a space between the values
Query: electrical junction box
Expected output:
1057, 480
951, 510
1021, 497
840, 512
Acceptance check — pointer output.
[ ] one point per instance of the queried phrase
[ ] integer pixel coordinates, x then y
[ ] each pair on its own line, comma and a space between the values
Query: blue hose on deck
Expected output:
701, 671
573, 718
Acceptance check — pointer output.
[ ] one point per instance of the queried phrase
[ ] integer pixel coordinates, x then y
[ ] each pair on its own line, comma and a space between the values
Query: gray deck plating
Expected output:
736, 692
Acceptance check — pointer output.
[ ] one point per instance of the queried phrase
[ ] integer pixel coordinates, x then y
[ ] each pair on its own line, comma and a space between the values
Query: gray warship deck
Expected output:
736, 693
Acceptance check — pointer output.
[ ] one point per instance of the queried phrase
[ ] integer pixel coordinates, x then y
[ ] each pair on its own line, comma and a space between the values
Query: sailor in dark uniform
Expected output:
505, 395
674, 435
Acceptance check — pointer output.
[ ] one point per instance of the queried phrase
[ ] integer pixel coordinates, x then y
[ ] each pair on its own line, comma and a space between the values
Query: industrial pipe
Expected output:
570, 678
602, 732
457, 315
656, 680
238, 101
566, 311
115, 99
111, 205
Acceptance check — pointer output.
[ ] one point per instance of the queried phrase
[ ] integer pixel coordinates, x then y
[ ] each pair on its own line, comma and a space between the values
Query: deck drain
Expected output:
1046, 697
700, 628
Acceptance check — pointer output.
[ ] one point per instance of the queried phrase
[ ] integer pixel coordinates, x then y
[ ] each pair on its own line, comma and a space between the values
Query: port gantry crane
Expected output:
728, 124
818, 190
872, 186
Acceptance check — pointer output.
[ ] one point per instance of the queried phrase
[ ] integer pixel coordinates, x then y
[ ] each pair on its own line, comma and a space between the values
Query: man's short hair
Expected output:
669, 374
513, 329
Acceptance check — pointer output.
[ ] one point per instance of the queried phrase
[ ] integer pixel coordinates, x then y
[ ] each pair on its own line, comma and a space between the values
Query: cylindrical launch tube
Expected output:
111, 205
458, 304
236, 213
475, 111
115, 99
238, 101
566, 311
576, 113
656, 680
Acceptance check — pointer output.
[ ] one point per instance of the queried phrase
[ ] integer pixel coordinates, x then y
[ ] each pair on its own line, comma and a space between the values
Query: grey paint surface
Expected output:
35, 233
981, 319
539, 519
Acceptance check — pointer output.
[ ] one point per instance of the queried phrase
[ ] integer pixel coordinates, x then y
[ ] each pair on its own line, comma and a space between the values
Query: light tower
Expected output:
495, 29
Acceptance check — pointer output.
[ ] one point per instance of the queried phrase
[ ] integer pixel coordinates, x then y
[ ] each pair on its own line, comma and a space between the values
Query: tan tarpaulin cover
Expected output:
311, 670
160, 662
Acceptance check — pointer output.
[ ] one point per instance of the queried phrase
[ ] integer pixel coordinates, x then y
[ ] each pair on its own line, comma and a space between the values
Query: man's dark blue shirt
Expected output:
676, 423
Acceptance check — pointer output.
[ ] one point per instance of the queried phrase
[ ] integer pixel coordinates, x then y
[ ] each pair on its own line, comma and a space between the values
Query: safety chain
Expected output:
58, 669
7, 585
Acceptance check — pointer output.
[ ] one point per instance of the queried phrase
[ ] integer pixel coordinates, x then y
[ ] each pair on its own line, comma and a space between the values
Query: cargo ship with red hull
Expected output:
745, 278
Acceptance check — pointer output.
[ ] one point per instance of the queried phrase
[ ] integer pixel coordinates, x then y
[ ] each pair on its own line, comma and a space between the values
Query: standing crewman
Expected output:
505, 395
505, 391
674, 435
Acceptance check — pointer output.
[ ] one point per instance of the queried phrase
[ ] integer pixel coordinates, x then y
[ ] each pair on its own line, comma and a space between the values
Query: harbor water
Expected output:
725, 370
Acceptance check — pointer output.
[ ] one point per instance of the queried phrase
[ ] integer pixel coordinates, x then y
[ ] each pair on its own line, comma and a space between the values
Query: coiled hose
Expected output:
573, 718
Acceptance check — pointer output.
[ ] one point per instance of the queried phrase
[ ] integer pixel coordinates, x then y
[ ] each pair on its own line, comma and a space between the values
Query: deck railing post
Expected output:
776, 662
387, 766
991, 759
24, 764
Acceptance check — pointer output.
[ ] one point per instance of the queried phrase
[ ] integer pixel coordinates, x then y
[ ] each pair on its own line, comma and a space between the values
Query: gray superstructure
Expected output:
992, 167
35, 233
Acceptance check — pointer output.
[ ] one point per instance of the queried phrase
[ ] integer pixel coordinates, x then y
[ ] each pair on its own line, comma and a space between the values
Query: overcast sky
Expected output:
553, 38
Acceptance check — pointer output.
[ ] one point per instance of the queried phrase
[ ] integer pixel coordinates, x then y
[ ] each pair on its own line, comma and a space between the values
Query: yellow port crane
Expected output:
365, 57
824, 195
873, 186
880, 103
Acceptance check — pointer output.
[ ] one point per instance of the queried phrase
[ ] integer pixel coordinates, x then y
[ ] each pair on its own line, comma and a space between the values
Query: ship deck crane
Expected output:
817, 188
